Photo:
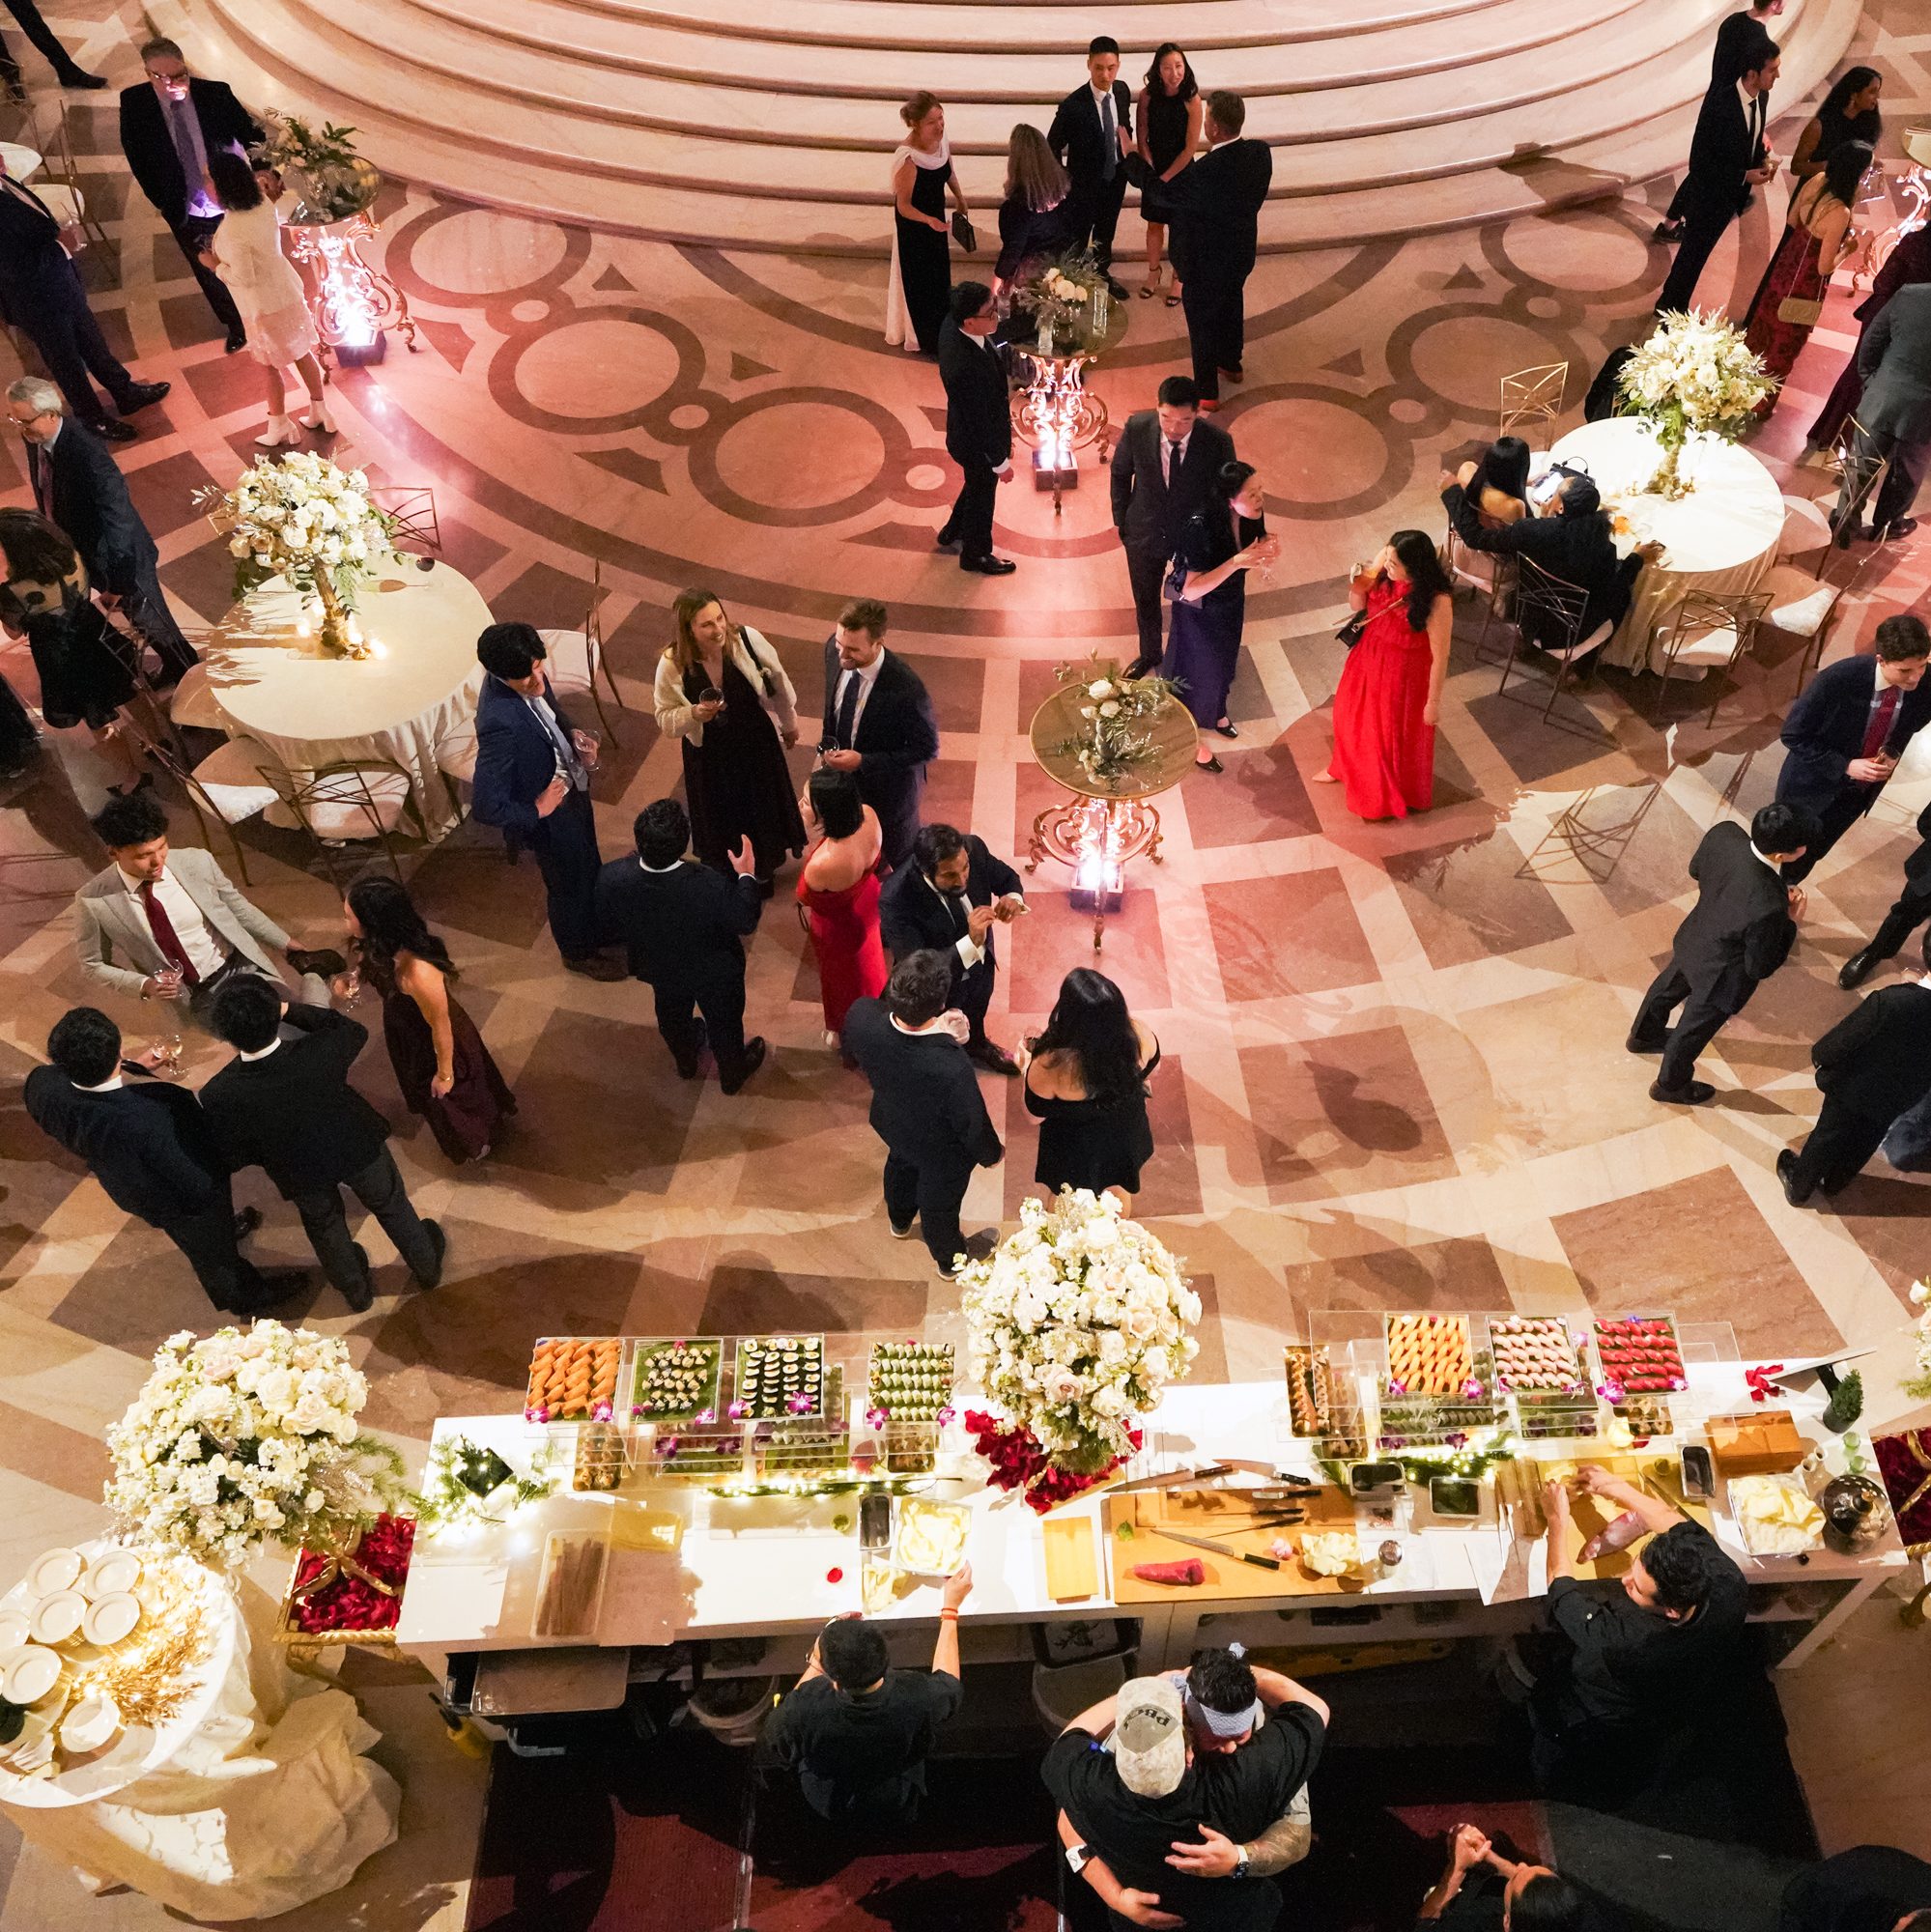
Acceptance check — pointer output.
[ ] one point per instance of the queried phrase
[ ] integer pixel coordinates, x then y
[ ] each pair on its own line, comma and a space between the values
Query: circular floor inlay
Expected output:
1309, 450
595, 368
799, 456
479, 251
1463, 357
1583, 249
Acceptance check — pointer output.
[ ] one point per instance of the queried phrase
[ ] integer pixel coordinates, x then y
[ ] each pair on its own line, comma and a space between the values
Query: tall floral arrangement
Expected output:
1695, 375
246, 1437
323, 168
1068, 300
1074, 1326
1115, 712
299, 517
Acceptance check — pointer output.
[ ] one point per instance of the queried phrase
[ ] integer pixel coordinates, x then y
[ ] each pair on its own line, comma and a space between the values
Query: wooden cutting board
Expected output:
1073, 1558
1219, 1514
1519, 1486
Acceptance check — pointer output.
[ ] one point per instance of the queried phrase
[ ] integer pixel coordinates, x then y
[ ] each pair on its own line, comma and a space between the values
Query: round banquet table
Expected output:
254, 1798
1722, 537
275, 684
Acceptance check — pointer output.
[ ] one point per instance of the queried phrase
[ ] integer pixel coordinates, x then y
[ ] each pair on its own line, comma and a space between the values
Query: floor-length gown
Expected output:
1083, 1143
922, 257
1793, 275
1383, 753
844, 935
736, 784
1203, 637
466, 1119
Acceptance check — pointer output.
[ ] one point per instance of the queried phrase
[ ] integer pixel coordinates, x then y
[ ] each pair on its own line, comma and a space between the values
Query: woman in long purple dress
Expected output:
442, 1067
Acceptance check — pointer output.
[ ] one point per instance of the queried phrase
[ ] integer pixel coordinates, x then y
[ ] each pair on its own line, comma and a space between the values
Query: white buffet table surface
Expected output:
762, 1566
1722, 537
271, 681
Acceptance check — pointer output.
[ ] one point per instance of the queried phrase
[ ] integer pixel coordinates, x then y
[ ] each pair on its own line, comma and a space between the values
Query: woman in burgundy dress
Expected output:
837, 895
442, 1067
1389, 699
1790, 297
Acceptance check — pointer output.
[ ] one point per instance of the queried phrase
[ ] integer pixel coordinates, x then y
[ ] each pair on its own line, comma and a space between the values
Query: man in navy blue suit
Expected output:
533, 780
1845, 734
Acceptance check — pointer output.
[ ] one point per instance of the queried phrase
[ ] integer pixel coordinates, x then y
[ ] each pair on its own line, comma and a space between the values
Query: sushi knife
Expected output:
1219, 1548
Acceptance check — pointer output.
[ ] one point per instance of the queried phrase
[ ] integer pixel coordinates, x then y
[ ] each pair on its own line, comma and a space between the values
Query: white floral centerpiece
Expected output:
1074, 1326
1068, 300
299, 517
1695, 375
246, 1437
1115, 711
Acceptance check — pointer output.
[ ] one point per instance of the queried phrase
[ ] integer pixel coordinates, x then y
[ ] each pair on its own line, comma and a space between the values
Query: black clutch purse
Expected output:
1349, 634
962, 234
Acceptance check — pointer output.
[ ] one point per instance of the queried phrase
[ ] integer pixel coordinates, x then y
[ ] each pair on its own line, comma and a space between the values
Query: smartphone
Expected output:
1699, 1475
874, 1521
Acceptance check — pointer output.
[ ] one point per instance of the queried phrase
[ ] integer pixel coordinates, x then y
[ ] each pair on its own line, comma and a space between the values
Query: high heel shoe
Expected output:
320, 420
280, 431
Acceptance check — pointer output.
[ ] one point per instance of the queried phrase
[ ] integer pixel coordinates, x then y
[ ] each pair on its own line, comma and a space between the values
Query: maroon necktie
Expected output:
1877, 733
165, 936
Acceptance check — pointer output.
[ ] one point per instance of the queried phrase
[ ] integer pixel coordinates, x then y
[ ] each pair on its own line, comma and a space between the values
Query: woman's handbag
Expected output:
1349, 634
964, 235
1803, 314
1175, 586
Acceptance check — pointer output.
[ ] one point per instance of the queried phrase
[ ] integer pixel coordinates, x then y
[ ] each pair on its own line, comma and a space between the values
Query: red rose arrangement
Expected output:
350, 1602
1020, 1463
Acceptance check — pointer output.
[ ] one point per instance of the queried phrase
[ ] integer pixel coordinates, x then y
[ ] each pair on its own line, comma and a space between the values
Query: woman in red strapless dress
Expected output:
837, 895
1386, 705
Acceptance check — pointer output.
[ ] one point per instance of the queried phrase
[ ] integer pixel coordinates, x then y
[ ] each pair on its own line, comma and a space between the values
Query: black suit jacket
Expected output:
1740, 931
294, 1114
87, 497
1146, 514
1075, 136
979, 412
1877, 1061
895, 739
1216, 203
149, 1146
150, 148
1917, 867
37, 277
1578, 549
682, 931
925, 1102
1723, 150
912, 915
1824, 730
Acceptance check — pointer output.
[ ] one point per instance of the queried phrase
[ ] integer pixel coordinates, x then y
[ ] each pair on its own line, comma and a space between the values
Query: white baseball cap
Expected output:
1149, 1741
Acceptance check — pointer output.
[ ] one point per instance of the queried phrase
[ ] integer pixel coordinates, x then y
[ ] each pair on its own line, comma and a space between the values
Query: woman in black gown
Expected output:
1221, 541
1169, 118
722, 691
1086, 1081
922, 174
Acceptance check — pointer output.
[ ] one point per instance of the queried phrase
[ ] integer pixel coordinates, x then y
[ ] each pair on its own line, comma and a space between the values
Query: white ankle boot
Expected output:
280, 430
319, 418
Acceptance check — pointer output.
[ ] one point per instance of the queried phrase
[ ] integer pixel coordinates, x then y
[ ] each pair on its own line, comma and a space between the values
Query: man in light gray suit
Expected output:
1894, 359
161, 925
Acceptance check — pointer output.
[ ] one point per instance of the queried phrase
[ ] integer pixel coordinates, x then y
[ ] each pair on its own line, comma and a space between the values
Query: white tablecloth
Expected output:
255, 1800
1721, 537
276, 685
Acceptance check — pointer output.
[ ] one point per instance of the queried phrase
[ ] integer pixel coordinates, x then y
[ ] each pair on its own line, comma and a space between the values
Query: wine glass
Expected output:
711, 694
168, 1052
350, 984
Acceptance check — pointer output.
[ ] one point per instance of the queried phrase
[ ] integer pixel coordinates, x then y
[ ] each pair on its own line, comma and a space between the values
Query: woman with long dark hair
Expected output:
443, 1068
1169, 118
837, 895
1086, 1082
1790, 298
1389, 699
1219, 544
1498, 481
1849, 113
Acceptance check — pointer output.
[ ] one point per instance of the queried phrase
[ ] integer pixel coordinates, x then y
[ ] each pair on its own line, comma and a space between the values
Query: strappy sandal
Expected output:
1151, 287
1173, 299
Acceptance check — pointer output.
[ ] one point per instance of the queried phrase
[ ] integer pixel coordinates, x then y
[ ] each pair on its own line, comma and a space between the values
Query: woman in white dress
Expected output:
246, 253
920, 283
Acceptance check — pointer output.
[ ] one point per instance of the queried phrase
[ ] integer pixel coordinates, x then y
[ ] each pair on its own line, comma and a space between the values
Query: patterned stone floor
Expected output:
1393, 1068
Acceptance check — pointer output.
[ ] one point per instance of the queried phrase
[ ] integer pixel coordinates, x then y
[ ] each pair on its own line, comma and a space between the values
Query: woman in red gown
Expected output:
1790, 295
837, 895
1389, 697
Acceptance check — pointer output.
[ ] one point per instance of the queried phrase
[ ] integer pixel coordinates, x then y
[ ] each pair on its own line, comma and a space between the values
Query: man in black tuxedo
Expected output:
1738, 933
1912, 909
170, 124
1093, 133
1845, 733
1217, 205
979, 425
1741, 42
78, 486
948, 901
41, 295
532, 778
1871, 1067
151, 1150
926, 1106
682, 927
1163, 469
878, 724
1728, 153
286, 1106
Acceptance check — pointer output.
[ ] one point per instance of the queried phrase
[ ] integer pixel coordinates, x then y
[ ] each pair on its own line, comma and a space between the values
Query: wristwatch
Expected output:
1242, 1864
1077, 1856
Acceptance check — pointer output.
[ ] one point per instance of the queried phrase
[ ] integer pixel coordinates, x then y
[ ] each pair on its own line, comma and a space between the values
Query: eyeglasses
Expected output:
156, 73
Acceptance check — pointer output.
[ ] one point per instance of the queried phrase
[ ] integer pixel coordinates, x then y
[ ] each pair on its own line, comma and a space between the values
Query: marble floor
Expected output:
1393, 1071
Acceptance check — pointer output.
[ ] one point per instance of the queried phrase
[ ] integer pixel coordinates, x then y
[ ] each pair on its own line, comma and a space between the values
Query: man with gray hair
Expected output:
77, 485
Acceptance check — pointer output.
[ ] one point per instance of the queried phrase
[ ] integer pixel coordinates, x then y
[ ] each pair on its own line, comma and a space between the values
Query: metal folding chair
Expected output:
1548, 619
1712, 631
413, 507
577, 661
1533, 395
353, 801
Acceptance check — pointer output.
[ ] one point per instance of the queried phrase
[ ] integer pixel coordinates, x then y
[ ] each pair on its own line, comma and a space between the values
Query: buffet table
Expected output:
272, 682
1722, 537
778, 1567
